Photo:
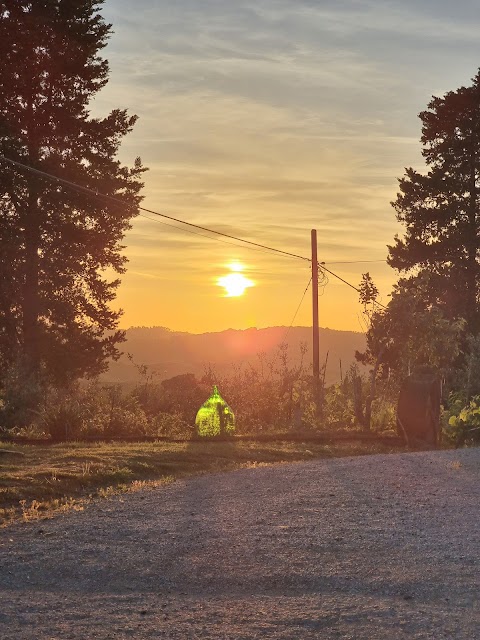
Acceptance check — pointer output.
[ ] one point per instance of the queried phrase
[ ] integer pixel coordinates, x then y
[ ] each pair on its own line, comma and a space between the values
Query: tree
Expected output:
411, 332
183, 395
59, 247
440, 208
407, 333
368, 294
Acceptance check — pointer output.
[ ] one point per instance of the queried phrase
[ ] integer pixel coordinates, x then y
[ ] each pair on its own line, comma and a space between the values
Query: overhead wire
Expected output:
248, 243
298, 309
83, 189
322, 282
352, 261
349, 284
202, 235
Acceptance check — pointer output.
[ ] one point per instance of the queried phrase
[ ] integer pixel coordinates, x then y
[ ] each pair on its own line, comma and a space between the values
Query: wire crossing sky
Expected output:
263, 120
102, 196
249, 243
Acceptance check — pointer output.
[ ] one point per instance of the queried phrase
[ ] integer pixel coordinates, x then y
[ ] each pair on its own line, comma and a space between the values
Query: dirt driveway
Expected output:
383, 546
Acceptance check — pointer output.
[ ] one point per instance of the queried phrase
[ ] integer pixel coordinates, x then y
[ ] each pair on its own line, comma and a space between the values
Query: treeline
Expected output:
433, 317
61, 260
276, 395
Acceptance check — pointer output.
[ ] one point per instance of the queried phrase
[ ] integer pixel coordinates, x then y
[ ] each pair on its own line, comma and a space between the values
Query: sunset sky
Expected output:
266, 119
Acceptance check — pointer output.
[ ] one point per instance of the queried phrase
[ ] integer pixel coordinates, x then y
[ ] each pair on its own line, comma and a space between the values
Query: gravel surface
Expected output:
383, 546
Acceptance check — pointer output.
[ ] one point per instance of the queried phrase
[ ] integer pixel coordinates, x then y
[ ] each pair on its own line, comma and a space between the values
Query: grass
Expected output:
40, 481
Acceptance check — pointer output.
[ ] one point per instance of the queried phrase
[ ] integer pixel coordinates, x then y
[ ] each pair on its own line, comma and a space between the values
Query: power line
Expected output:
352, 261
352, 286
298, 309
202, 235
322, 282
78, 187
115, 200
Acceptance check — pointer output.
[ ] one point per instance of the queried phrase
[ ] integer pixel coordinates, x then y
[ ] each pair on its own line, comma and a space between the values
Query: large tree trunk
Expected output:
31, 310
472, 268
30, 301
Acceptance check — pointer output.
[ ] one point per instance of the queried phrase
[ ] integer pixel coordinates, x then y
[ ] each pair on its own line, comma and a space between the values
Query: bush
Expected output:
62, 416
20, 397
171, 426
339, 408
91, 410
99, 411
384, 414
463, 421
274, 396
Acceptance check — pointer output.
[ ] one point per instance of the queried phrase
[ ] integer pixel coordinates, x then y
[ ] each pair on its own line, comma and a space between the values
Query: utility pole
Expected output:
316, 354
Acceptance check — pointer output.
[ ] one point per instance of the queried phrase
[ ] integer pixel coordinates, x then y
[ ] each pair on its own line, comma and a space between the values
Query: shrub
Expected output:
91, 410
20, 397
339, 406
170, 425
62, 416
463, 421
384, 414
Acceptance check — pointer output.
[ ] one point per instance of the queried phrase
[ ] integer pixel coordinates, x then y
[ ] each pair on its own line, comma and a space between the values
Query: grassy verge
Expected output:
39, 481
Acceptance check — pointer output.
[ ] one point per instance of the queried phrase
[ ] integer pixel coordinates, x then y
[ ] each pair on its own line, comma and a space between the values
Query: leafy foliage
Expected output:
57, 244
440, 208
92, 410
368, 292
465, 379
433, 317
411, 332
464, 421
275, 396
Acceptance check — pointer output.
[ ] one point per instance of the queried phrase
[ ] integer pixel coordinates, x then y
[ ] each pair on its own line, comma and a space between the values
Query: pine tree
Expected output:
440, 208
59, 247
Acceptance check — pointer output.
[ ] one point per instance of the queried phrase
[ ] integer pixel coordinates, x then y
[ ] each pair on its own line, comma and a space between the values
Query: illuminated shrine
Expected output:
215, 417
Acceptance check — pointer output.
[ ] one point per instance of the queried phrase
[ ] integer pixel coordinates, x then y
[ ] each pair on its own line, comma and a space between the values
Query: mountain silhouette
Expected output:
169, 353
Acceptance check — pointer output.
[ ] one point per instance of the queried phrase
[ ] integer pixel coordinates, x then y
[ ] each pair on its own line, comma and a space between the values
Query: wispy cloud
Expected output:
265, 119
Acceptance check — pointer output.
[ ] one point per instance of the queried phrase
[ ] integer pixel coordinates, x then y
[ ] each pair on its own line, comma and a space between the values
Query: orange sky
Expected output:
265, 120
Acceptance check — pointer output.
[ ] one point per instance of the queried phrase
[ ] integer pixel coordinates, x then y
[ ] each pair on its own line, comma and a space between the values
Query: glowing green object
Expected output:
215, 417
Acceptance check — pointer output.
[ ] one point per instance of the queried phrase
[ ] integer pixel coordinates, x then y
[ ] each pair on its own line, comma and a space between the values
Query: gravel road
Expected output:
383, 546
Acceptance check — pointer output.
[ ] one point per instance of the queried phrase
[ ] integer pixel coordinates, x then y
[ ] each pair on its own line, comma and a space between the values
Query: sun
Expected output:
235, 283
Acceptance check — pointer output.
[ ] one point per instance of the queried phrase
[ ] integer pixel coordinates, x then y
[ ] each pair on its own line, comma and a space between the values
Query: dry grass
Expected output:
39, 481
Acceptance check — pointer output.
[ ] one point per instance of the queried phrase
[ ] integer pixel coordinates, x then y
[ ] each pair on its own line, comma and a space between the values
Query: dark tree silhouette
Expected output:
440, 208
60, 250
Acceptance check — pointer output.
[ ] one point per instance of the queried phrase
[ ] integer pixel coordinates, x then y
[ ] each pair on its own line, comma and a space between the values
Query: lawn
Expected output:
40, 481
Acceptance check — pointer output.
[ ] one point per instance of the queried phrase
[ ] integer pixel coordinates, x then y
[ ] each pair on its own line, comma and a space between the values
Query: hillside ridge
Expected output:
169, 353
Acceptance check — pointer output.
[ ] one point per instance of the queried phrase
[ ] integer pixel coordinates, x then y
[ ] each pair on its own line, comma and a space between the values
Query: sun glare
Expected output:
235, 283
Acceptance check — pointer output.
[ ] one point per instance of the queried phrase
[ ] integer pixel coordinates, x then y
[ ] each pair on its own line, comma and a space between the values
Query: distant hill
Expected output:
170, 353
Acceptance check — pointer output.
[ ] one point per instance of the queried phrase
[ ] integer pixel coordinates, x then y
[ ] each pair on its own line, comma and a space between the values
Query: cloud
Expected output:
268, 118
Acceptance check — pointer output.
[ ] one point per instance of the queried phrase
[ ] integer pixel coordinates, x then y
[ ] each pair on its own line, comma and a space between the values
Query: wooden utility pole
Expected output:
316, 354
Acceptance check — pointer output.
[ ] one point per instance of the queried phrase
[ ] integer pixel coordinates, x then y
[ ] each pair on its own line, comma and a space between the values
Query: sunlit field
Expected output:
41, 481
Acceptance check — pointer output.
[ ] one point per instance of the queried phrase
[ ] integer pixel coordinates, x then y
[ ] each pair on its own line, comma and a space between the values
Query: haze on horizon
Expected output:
264, 120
